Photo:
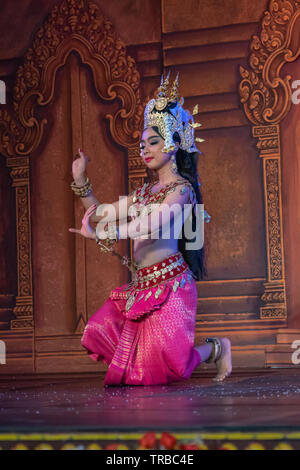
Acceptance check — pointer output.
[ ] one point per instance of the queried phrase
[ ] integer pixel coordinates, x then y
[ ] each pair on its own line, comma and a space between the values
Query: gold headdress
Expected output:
166, 112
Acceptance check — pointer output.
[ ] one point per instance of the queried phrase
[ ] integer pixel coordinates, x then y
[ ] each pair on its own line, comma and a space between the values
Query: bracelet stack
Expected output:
82, 191
112, 237
112, 231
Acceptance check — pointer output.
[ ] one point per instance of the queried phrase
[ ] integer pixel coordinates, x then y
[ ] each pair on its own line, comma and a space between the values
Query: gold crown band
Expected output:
166, 112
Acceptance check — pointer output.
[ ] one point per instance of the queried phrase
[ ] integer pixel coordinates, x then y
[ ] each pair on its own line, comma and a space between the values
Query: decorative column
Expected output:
266, 97
70, 26
274, 296
136, 168
23, 309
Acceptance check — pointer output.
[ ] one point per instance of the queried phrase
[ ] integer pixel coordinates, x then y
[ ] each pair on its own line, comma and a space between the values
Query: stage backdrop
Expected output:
77, 75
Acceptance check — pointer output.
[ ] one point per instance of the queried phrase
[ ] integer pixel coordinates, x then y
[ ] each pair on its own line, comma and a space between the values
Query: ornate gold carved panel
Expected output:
20, 181
71, 26
266, 99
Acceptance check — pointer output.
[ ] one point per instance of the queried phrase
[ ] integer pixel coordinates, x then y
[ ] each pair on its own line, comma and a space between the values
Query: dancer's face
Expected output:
151, 150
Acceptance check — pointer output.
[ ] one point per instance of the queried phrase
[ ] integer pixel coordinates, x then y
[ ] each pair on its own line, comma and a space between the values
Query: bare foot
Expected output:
224, 364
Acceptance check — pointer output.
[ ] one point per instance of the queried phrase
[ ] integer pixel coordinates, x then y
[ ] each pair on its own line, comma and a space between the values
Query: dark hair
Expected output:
187, 168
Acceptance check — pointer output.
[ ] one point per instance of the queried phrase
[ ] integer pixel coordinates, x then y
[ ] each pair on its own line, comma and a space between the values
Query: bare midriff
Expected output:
148, 251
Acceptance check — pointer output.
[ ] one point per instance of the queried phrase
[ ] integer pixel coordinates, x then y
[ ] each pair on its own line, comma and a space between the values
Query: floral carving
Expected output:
71, 26
273, 211
10, 132
273, 313
265, 95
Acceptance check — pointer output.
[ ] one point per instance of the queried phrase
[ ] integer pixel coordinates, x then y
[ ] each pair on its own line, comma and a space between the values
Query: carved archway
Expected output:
266, 99
71, 26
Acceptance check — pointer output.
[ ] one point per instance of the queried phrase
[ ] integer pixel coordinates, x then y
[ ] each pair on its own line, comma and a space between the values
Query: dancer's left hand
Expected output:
86, 230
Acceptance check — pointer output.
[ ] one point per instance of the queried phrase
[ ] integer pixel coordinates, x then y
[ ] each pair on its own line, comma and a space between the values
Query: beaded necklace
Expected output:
144, 195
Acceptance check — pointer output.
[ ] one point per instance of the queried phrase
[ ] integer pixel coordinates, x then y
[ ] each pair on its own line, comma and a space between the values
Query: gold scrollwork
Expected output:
266, 100
71, 26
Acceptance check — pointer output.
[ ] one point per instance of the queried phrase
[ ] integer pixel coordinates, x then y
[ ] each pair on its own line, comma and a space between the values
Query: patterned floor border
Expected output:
151, 440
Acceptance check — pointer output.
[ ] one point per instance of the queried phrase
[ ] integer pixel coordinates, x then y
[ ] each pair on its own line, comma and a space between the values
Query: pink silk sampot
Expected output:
145, 330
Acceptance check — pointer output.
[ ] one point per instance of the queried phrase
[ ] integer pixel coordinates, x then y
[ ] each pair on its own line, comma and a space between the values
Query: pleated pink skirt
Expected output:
145, 330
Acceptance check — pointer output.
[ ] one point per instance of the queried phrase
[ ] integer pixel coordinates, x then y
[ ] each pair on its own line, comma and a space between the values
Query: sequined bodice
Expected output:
144, 200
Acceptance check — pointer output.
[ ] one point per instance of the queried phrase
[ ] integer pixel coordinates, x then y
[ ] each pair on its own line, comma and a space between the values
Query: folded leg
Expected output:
102, 332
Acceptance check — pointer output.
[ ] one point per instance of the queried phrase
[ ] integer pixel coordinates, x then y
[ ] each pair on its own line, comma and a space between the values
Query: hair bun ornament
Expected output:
166, 112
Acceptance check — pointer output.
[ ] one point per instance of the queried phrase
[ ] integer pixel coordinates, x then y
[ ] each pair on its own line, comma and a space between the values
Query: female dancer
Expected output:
145, 329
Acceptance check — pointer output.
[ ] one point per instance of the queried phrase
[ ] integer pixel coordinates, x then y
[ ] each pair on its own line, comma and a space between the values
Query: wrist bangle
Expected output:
83, 190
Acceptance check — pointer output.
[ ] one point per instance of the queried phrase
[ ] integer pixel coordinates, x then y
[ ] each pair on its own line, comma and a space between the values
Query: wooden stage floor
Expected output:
264, 402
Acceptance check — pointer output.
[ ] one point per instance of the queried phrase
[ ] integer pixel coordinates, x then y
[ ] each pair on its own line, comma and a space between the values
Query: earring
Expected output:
174, 168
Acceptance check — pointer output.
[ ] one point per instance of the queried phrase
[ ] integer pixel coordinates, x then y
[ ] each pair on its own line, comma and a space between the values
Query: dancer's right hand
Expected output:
79, 167
86, 230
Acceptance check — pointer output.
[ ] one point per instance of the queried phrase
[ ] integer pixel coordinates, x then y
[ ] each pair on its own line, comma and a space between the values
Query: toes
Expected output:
220, 378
